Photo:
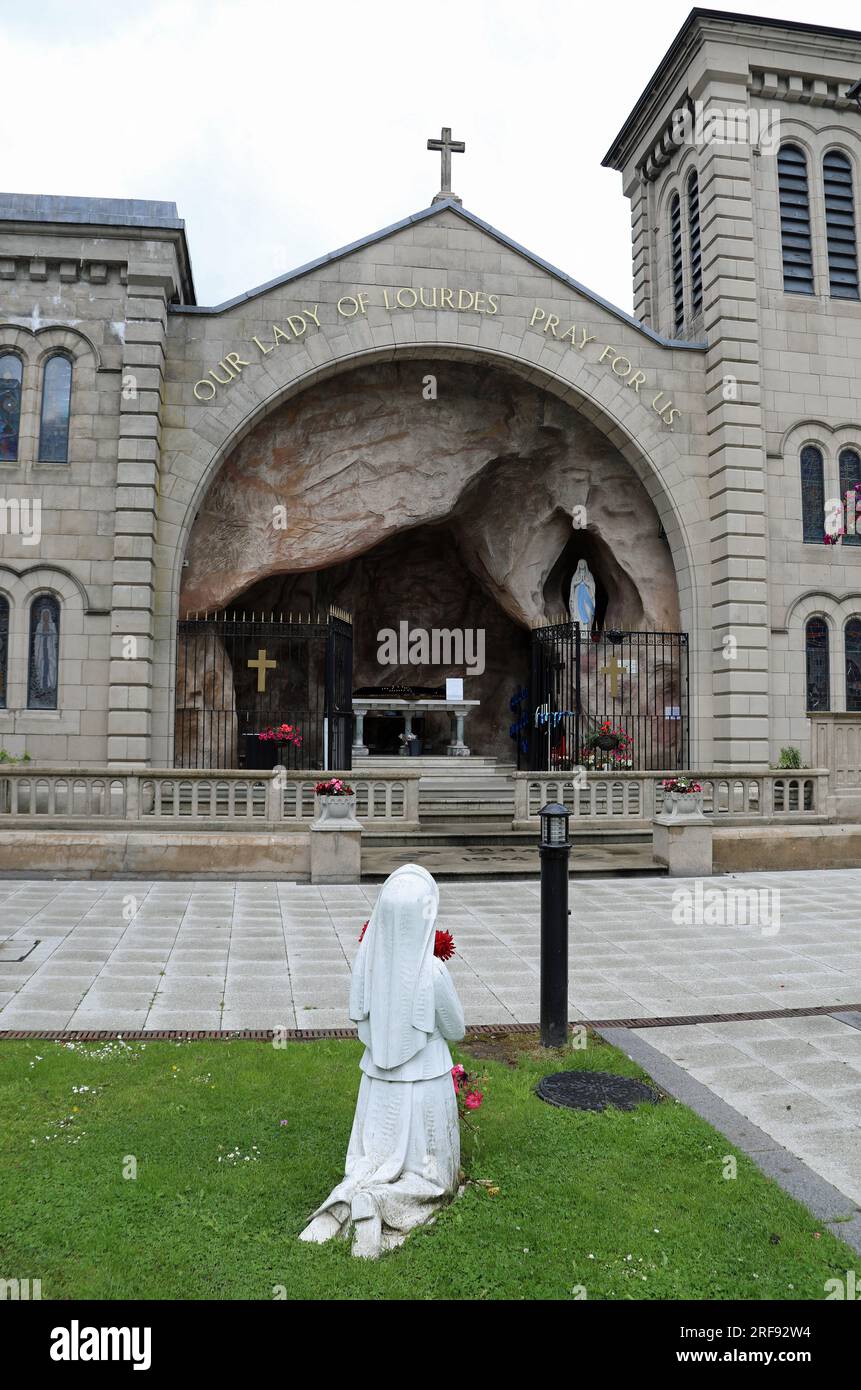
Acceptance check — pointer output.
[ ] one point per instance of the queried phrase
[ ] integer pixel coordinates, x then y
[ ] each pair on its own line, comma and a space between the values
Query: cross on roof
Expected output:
447, 147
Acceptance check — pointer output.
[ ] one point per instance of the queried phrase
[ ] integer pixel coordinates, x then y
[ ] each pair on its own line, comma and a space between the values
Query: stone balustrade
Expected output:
197, 799
632, 799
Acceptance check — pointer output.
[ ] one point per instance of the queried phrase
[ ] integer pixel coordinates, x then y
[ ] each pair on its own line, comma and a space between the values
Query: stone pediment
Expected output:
440, 279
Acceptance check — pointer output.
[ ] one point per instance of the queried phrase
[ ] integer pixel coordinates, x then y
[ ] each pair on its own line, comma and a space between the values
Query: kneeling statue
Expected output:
403, 1158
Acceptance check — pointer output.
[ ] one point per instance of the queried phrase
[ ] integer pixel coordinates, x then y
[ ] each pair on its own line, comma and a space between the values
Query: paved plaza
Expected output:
178, 955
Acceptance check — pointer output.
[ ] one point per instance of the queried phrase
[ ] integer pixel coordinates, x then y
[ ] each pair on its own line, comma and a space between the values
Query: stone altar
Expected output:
456, 709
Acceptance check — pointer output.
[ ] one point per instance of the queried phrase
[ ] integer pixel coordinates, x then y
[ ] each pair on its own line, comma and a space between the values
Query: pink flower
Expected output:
472, 1100
458, 1075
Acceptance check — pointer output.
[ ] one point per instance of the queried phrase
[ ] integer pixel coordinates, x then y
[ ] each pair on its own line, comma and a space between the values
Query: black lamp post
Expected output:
553, 850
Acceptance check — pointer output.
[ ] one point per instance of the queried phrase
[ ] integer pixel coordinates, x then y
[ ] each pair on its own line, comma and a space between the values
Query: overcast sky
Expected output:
286, 130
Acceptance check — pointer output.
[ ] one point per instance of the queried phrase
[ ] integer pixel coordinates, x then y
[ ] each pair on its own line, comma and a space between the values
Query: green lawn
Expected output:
629, 1205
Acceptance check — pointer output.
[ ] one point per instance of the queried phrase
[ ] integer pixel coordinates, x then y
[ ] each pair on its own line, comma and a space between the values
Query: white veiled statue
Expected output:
403, 1157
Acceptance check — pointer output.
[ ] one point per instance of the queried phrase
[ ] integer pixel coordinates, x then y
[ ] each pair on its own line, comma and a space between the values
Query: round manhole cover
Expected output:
594, 1090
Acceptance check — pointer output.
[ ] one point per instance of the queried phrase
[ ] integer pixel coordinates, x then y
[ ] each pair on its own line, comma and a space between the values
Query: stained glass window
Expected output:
56, 402
852, 640
44, 663
11, 373
4, 648
812, 495
818, 678
850, 474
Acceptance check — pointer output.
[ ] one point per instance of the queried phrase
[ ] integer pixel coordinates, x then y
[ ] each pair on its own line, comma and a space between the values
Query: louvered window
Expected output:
850, 474
840, 225
812, 495
696, 251
795, 220
676, 263
818, 674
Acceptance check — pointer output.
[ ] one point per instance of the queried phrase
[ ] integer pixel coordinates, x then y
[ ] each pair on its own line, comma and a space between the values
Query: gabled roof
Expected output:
432, 211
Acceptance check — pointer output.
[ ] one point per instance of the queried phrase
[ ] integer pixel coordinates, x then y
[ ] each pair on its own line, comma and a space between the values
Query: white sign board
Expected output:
454, 688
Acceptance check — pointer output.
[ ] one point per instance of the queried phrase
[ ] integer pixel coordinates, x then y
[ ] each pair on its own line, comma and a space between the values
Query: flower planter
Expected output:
335, 807
683, 805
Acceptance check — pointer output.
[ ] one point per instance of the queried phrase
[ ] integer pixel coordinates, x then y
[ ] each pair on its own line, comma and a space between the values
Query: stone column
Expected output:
360, 749
132, 605
737, 465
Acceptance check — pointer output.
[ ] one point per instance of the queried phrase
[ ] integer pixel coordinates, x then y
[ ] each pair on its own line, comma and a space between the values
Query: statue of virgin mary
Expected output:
581, 597
403, 1156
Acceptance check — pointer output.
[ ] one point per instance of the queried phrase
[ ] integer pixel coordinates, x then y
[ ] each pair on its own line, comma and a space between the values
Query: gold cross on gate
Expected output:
614, 669
262, 666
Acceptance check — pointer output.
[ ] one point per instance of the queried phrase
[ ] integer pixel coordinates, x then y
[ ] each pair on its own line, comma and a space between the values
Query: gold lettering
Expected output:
655, 406
343, 306
493, 301
446, 299
386, 304
470, 298
668, 418
407, 290
569, 333
262, 348
293, 319
627, 370
234, 360
278, 334
536, 314
231, 376
479, 301
608, 352
203, 382
552, 323
587, 338
312, 314
432, 304
637, 380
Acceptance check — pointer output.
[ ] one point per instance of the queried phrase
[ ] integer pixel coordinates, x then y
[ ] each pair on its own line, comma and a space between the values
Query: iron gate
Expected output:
638, 681
239, 677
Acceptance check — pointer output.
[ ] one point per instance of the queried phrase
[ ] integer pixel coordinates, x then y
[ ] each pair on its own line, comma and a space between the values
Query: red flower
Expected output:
444, 945
364, 929
472, 1100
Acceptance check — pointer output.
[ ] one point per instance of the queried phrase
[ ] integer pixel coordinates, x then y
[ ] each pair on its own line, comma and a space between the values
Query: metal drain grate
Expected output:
594, 1090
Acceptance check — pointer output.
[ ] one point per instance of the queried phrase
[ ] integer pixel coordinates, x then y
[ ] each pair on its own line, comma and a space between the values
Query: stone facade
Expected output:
170, 402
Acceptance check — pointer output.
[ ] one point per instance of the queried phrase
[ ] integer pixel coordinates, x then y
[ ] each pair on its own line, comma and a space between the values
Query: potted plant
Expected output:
335, 800
609, 746
682, 797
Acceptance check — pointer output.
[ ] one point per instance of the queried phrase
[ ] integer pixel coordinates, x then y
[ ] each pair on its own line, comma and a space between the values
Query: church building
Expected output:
431, 489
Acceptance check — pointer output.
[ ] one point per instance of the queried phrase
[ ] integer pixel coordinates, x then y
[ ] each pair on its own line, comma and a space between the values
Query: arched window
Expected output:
44, 661
850, 474
812, 495
840, 225
818, 678
11, 374
696, 249
795, 220
676, 263
56, 401
4, 648
852, 647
